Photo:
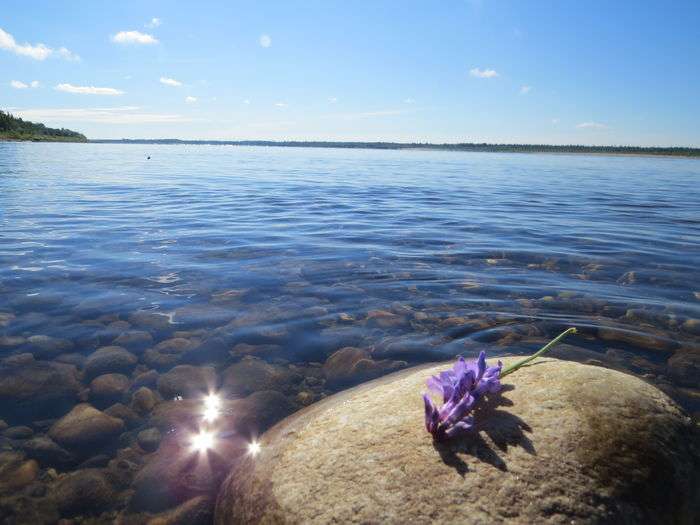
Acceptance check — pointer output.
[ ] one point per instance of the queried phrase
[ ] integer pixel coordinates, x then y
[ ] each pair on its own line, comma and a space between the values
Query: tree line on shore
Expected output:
465, 146
14, 128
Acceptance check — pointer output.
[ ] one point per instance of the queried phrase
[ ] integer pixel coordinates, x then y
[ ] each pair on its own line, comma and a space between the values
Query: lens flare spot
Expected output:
212, 408
202, 442
254, 448
212, 401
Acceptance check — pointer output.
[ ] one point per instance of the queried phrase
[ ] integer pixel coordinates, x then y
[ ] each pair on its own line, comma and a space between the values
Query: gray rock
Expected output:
249, 416
692, 326
19, 359
351, 365
149, 439
563, 442
16, 472
684, 366
130, 418
251, 375
177, 473
85, 426
19, 432
148, 378
6, 318
46, 347
196, 315
187, 381
9, 341
36, 390
109, 359
195, 511
151, 320
108, 389
648, 340
86, 491
47, 452
143, 400
168, 353
135, 340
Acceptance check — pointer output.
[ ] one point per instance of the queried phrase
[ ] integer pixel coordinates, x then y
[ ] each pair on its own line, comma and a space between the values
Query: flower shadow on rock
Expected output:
501, 428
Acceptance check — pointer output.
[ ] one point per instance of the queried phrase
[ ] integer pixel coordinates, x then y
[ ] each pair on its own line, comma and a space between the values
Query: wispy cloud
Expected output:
154, 22
170, 81
18, 84
88, 90
265, 40
67, 54
591, 125
555, 121
190, 99
133, 37
409, 100
246, 102
483, 73
332, 100
113, 115
281, 104
35, 51
524, 90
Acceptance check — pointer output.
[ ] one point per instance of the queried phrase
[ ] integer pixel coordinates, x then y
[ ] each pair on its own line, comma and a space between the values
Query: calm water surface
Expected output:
217, 255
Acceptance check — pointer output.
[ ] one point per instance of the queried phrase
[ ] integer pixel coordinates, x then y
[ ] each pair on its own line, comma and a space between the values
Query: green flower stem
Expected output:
541, 351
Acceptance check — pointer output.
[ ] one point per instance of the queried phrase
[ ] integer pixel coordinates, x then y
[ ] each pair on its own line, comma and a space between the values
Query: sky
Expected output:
502, 71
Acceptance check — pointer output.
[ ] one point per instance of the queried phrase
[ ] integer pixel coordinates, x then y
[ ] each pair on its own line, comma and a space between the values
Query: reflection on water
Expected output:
278, 276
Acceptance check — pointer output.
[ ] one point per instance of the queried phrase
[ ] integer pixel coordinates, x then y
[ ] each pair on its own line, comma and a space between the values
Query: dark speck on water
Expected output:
276, 277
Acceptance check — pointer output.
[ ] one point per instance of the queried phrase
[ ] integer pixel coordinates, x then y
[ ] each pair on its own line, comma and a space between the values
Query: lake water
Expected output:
255, 265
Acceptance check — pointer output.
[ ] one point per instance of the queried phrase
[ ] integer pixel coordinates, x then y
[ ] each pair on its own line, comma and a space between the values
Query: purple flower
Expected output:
460, 388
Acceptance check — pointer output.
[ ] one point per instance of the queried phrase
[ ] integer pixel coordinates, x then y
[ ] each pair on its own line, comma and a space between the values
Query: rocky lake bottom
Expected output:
131, 289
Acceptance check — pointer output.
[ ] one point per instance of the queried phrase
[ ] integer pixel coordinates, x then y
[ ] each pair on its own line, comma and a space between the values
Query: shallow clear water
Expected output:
412, 256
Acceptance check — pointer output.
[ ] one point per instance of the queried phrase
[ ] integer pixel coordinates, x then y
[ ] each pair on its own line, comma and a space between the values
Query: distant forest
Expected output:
483, 147
13, 128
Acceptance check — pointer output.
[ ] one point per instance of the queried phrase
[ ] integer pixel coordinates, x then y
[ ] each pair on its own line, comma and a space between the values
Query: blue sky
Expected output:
559, 71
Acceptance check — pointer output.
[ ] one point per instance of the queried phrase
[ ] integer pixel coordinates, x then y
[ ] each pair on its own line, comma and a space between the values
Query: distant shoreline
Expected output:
468, 147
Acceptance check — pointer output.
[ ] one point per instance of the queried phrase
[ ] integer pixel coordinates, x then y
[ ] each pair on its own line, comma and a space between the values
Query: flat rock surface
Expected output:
563, 442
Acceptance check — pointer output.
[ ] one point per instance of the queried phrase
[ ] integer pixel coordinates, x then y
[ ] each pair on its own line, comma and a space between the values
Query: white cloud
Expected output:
113, 115
332, 100
67, 54
409, 101
18, 84
265, 40
36, 51
246, 102
154, 22
190, 100
524, 90
483, 73
281, 104
591, 125
88, 90
133, 37
170, 81
555, 121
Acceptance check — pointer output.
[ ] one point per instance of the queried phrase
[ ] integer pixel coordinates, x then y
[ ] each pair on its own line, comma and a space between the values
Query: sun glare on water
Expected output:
202, 442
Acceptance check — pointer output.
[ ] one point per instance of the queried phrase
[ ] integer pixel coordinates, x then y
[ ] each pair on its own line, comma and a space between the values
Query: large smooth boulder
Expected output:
562, 443
85, 426
108, 360
83, 491
252, 375
351, 365
187, 380
36, 390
